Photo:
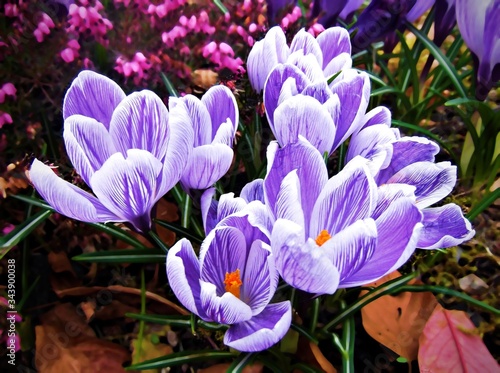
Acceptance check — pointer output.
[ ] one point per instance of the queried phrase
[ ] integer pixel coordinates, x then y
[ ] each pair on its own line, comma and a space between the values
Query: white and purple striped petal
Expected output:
302, 264
92, 95
262, 331
68, 199
129, 186
444, 226
183, 271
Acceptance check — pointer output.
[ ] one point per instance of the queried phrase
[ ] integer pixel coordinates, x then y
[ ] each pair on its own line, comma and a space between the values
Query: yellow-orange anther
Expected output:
233, 283
323, 236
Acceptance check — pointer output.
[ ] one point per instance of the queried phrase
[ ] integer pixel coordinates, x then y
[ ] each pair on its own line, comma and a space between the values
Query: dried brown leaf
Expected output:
397, 321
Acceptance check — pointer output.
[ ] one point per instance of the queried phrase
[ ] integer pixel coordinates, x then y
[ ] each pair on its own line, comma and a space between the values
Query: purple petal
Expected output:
350, 249
433, 181
261, 331
350, 7
304, 265
306, 43
253, 191
471, 17
311, 170
420, 7
275, 85
228, 204
199, 118
141, 122
129, 186
373, 143
225, 134
265, 55
333, 42
319, 90
340, 63
354, 92
209, 210
94, 96
183, 271
66, 198
407, 151
178, 148
225, 308
223, 251
259, 278
398, 231
444, 226
349, 196
308, 64
304, 115
490, 60
389, 193
378, 115
88, 144
253, 222
288, 200
208, 163
222, 106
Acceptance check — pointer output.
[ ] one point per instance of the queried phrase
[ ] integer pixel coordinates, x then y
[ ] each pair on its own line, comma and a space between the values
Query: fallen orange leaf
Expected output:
65, 343
397, 321
449, 343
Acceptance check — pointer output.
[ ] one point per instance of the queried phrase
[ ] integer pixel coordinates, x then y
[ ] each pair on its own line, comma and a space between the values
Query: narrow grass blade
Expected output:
483, 204
168, 84
22, 231
179, 358
119, 234
441, 58
123, 256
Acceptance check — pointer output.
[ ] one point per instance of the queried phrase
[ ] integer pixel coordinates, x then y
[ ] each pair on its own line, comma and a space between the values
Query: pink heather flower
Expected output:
7, 89
5, 118
11, 10
68, 55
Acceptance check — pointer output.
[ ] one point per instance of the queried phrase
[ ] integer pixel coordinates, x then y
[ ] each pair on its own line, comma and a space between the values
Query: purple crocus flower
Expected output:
214, 120
213, 211
328, 11
411, 161
126, 148
379, 21
299, 101
478, 24
338, 232
233, 281
331, 50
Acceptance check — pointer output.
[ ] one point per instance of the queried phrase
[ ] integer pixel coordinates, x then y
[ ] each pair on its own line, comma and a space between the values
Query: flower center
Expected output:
323, 236
233, 283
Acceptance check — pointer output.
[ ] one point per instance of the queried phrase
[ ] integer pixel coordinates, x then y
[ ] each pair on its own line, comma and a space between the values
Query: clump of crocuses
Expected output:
128, 149
317, 232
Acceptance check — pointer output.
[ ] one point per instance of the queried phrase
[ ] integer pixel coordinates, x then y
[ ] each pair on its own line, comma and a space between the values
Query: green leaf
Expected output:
174, 320
123, 256
179, 358
483, 204
22, 231
168, 84
119, 233
241, 362
441, 58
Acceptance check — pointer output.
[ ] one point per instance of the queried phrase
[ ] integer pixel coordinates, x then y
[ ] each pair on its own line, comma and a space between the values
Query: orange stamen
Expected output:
323, 236
233, 283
